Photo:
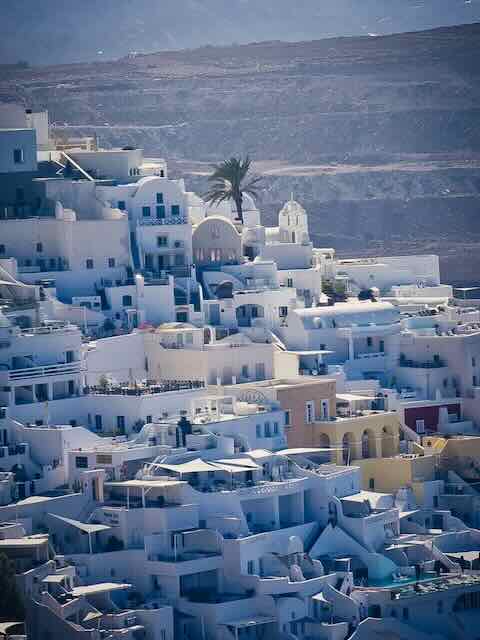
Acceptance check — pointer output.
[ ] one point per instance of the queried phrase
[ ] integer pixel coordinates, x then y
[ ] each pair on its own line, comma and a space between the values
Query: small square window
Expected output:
159, 198
89, 263
2, 248
127, 301
122, 205
283, 312
81, 462
175, 209
146, 212
162, 241
39, 247
111, 263
18, 156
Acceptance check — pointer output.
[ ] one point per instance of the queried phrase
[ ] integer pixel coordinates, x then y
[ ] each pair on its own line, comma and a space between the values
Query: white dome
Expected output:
292, 207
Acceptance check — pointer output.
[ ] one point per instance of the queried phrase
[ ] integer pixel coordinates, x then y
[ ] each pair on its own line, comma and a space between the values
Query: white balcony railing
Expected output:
370, 356
72, 368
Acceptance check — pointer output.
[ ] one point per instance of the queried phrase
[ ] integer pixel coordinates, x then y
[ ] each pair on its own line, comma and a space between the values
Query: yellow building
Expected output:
456, 453
371, 435
387, 475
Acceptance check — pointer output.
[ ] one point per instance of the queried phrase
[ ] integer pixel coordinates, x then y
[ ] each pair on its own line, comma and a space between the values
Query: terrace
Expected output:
431, 587
436, 363
142, 389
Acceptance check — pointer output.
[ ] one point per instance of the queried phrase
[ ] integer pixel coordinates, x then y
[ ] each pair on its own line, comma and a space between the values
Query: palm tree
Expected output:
230, 180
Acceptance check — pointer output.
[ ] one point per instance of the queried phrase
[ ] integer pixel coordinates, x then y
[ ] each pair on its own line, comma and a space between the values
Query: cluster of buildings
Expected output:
214, 430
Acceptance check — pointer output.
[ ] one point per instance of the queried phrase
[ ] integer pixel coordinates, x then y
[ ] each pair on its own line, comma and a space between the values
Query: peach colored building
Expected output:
305, 399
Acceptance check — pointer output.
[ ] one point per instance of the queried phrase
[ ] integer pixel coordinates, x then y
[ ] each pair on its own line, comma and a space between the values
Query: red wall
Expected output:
429, 414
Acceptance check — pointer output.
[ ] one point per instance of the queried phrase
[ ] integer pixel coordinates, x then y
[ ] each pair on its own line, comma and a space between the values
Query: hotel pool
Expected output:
388, 583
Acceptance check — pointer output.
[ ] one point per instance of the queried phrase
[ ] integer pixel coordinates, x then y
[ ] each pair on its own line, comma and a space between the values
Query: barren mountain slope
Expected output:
378, 137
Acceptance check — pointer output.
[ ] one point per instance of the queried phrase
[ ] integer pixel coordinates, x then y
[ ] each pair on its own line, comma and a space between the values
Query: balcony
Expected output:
414, 364
44, 265
144, 389
47, 371
14, 450
184, 563
181, 271
370, 355
11, 305
51, 327
152, 222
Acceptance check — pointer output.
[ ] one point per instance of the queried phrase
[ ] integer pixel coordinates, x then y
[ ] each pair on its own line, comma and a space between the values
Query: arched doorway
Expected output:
368, 444
324, 441
348, 447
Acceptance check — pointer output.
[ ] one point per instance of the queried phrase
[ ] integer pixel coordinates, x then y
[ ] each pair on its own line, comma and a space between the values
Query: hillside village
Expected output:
212, 429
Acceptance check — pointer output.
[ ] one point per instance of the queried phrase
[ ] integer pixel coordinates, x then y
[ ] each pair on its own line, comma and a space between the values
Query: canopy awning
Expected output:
86, 527
468, 556
231, 468
240, 462
54, 578
258, 454
101, 587
319, 597
351, 397
248, 622
193, 466
303, 451
407, 514
92, 615
311, 352
145, 484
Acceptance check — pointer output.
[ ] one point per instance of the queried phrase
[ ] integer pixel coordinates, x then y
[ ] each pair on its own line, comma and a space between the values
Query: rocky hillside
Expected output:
378, 137
72, 31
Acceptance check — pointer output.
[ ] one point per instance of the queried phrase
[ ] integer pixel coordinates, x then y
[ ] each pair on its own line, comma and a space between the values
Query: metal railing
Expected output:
72, 368
150, 222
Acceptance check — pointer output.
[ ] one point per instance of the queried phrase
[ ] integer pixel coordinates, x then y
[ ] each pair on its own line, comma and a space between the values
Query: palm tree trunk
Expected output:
239, 205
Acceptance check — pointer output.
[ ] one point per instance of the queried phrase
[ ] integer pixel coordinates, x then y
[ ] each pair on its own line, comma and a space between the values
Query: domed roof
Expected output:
292, 207
224, 290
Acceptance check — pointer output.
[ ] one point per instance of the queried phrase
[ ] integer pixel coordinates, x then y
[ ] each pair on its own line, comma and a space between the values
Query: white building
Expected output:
171, 349
363, 336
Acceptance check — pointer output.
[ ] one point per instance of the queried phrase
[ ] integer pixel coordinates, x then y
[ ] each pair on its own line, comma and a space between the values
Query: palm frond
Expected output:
230, 179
